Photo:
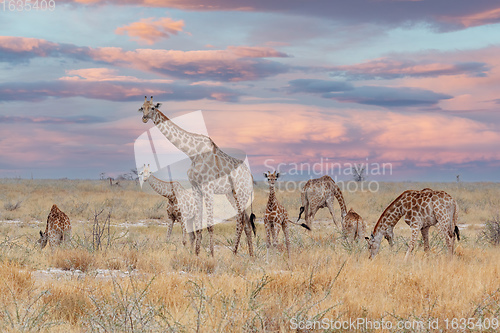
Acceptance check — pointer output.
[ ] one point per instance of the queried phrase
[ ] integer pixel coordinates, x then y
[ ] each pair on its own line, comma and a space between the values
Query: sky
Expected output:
295, 84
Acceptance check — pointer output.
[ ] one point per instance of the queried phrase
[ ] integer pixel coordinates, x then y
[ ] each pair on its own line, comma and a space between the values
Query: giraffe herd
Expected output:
212, 171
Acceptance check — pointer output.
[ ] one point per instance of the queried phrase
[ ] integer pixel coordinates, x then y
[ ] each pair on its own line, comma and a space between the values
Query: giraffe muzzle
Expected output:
144, 119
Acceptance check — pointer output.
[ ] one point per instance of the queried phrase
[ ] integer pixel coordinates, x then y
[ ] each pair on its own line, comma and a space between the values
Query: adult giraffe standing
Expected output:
212, 172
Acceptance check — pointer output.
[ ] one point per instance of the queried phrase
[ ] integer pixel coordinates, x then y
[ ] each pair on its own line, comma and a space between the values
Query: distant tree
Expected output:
458, 178
359, 172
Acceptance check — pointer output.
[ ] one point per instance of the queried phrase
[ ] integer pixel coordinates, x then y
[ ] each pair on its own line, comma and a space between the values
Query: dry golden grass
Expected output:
139, 282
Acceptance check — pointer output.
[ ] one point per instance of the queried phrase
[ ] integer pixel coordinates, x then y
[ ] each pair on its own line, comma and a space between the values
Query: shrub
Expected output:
491, 232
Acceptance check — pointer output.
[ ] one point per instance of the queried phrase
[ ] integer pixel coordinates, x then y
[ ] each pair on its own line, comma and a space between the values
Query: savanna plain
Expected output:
120, 274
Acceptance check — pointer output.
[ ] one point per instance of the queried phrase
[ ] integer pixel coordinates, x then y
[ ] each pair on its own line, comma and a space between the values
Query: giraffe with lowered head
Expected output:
354, 226
181, 203
421, 210
58, 229
320, 193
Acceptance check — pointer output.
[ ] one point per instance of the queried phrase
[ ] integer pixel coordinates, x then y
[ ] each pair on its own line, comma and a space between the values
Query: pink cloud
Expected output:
149, 31
236, 63
475, 19
471, 92
23, 44
306, 133
104, 74
398, 67
461, 14
232, 64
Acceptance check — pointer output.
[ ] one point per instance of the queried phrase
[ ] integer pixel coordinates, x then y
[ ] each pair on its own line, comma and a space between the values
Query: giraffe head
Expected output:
271, 177
145, 173
148, 109
373, 245
42, 242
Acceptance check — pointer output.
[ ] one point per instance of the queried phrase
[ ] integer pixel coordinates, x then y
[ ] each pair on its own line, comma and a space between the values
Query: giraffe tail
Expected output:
252, 223
457, 232
303, 225
300, 213
455, 218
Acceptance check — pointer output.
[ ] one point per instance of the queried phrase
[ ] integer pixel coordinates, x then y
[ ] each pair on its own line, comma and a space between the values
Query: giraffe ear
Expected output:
278, 175
265, 174
41, 233
367, 238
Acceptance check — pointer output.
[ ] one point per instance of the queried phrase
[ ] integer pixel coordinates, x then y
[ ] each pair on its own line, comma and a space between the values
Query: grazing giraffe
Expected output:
276, 216
181, 203
212, 172
58, 229
421, 209
320, 193
354, 226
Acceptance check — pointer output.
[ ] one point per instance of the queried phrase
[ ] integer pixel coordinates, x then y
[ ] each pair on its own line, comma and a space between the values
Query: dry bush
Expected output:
70, 300
157, 212
72, 259
491, 232
187, 262
125, 309
14, 279
10, 206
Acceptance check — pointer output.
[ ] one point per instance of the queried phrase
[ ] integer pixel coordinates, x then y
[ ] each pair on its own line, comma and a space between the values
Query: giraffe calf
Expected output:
58, 229
276, 216
181, 203
354, 226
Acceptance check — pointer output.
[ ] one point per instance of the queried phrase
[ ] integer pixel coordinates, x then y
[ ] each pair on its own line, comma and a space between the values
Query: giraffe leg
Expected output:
198, 220
198, 242
445, 228
211, 234
192, 237
267, 225
184, 232
188, 227
242, 223
274, 233
169, 231
306, 214
209, 203
248, 233
411, 245
312, 212
329, 204
425, 238
350, 233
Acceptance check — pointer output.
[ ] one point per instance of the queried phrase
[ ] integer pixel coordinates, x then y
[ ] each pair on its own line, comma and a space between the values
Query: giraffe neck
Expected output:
340, 199
159, 186
48, 222
272, 195
391, 215
191, 144
166, 189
